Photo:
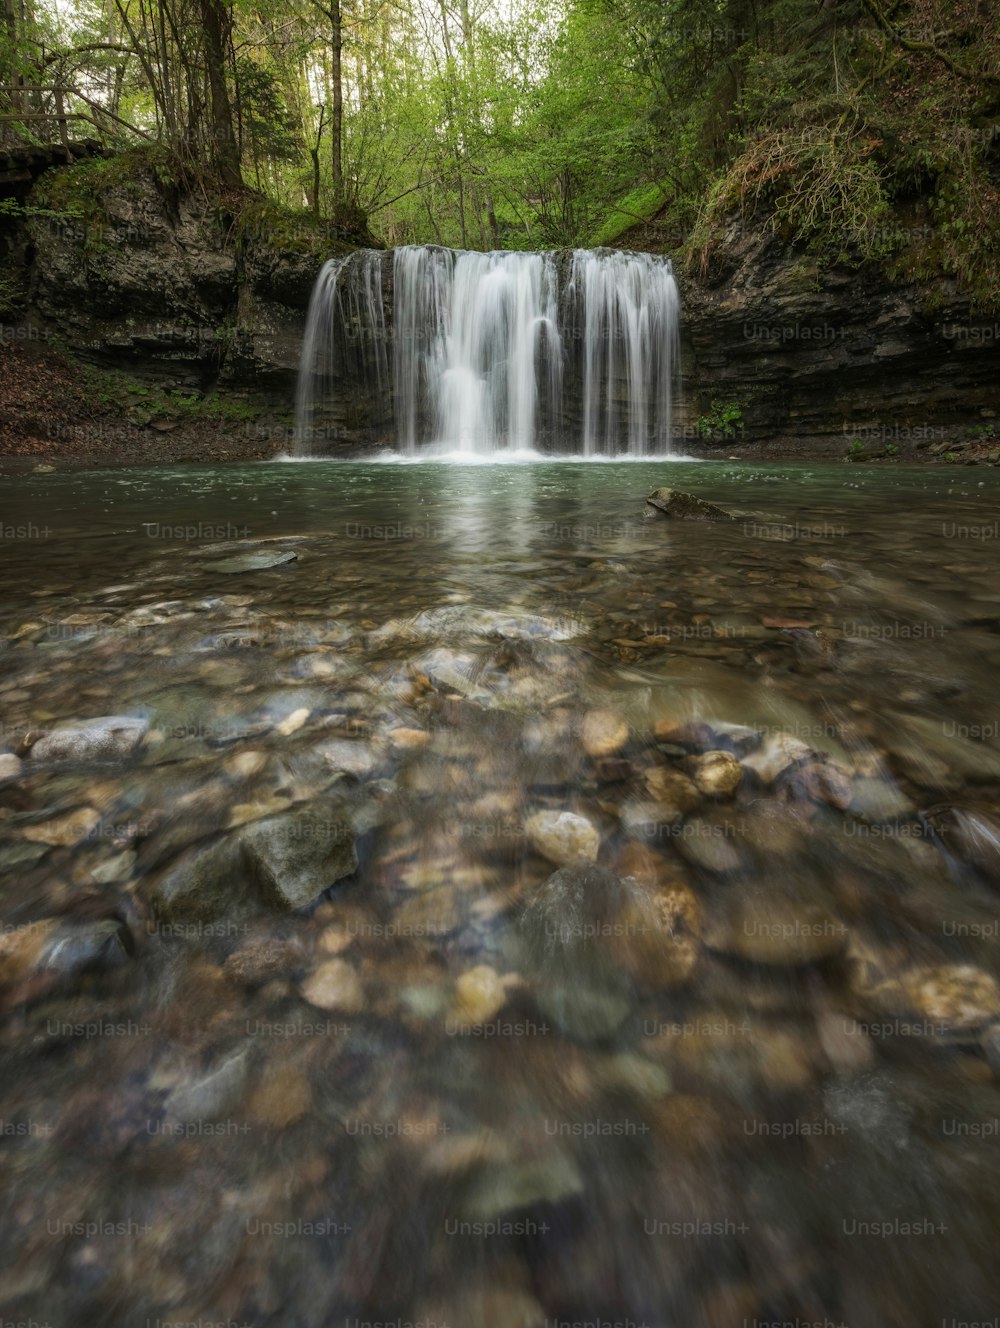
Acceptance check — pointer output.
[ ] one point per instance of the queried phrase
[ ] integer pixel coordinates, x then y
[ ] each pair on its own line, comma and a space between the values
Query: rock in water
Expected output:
99, 944
334, 986
349, 757
685, 506
656, 936
603, 732
480, 993
253, 562
552, 1178
21, 949
959, 997
282, 861
673, 791
294, 857
565, 930
563, 837
65, 831
778, 753
202, 884
584, 1012
718, 774
108, 738
973, 837
211, 1095
776, 929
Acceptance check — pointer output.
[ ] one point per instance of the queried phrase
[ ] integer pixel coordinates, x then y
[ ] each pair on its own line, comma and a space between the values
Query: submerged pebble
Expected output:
334, 985
957, 996
563, 837
602, 732
717, 774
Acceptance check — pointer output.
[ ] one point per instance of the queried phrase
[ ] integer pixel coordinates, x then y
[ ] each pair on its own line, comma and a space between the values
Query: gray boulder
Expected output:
294, 857
281, 862
203, 884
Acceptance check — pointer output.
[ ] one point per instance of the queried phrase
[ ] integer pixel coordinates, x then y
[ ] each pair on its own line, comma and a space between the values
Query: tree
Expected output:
217, 22
331, 11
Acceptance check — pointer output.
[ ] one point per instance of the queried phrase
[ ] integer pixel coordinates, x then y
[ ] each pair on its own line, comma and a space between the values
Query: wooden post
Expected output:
61, 113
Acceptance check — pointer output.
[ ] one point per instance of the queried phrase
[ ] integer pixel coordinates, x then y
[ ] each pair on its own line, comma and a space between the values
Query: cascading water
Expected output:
491, 352
630, 313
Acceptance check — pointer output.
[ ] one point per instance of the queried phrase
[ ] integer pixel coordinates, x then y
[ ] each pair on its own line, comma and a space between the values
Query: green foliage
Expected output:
79, 191
533, 124
640, 205
13, 208
267, 122
983, 433
722, 422
819, 123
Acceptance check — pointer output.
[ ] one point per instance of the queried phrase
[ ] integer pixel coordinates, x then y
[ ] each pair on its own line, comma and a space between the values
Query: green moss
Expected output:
641, 205
80, 190
149, 402
288, 230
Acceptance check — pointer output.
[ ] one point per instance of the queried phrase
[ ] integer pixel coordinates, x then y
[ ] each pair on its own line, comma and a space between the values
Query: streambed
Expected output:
509, 908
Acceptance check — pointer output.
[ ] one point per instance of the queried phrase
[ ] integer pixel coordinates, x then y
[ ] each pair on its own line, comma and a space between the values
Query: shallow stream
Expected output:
511, 907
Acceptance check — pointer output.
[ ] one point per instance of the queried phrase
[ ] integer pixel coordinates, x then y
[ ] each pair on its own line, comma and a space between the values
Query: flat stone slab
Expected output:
260, 561
106, 738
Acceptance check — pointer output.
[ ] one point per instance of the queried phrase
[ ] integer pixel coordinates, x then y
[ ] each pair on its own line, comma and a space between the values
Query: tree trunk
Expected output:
337, 108
314, 153
217, 21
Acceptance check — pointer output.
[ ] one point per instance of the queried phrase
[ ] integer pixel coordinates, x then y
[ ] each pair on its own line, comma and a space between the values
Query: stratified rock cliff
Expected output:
140, 272
832, 353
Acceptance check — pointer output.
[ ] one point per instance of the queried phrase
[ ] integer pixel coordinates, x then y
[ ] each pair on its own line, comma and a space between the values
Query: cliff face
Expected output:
155, 279
828, 355
150, 278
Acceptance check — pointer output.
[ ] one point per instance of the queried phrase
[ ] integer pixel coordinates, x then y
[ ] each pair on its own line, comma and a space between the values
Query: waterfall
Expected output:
630, 314
345, 333
490, 352
316, 364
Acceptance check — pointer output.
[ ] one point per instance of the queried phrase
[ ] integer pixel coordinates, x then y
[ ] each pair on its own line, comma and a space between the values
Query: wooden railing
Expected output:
19, 97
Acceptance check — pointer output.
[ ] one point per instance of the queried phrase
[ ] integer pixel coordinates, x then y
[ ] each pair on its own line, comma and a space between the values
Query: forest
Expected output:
858, 129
